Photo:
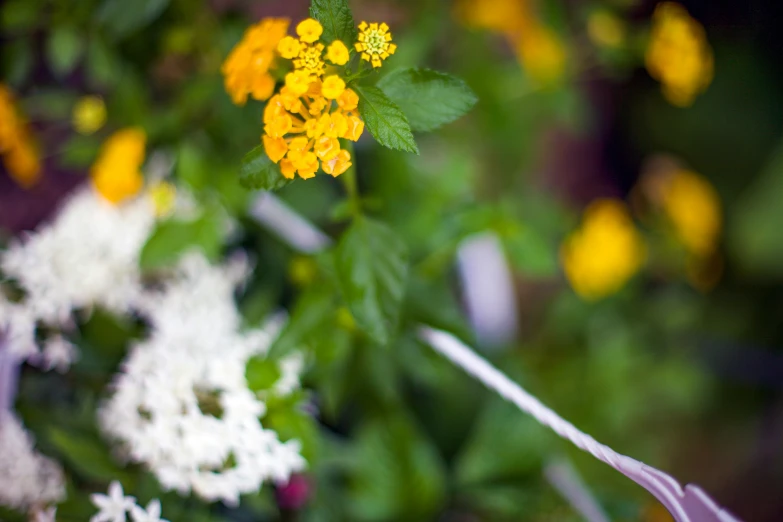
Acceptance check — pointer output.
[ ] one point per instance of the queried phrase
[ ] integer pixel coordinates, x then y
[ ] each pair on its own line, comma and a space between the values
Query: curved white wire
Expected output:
688, 505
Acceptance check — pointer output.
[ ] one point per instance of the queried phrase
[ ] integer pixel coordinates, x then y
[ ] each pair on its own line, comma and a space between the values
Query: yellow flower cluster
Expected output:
246, 70
116, 174
678, 54
539, 50
606, 250
307, 52
19, 155
375, 43
302, 125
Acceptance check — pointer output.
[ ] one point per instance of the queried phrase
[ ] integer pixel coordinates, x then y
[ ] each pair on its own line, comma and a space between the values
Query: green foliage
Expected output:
121, 18
385, 120
259, 172
261, 373
88, 456
174, 237
371, 266
336, 18
429, 99
63, 49
397, 473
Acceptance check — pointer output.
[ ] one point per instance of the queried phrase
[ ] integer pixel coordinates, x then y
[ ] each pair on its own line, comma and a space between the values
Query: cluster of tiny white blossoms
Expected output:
116, 505
181, 405
87, 256
27, 478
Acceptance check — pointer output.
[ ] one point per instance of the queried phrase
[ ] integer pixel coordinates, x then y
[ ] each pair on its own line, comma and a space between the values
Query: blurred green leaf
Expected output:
101, 65
88, 456
398, 475
287, 416
312, 309
261, 373
386, 122
336, 18
428, 98
754, 234
530, 252
504, 444
17, 60
120, 17
259, 172
20, 15
173, 238
64, 47
371, 262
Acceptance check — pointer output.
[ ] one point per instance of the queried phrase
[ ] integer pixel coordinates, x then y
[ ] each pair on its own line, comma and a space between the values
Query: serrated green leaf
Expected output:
261, 373
121, 18
336, 18
174, 237
259, 172
371, 263
428, 98
386, 122
63, 50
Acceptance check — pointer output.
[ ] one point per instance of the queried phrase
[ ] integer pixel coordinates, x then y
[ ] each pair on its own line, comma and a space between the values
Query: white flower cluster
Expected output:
88, 255
27, 478
114, 506
182, 406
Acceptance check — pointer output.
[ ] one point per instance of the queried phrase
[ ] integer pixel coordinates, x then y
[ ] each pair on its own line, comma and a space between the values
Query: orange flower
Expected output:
116, 174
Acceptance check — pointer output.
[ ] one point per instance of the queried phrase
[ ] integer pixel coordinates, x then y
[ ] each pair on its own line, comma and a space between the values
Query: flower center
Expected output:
375, 42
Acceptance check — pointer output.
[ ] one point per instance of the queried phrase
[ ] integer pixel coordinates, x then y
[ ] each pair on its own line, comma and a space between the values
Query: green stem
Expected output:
349, 180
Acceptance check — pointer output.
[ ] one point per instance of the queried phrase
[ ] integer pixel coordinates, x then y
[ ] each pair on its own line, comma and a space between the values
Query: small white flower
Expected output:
58, 354
151, 514
48, 515
112, 507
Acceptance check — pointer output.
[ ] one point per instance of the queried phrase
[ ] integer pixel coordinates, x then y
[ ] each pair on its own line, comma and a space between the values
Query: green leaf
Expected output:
121, 18
428, 98
387, 123
20, 16
87, 456
259, 172
312, 310
172, 238
63, 49
261, 373
336, 18
371, 263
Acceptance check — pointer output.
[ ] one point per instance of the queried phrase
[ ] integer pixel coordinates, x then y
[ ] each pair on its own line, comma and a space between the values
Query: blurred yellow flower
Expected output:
542, 54
374, 43
89, 114
116, 174
604, 252
693, 207
678, 54
246, 70
605, 29
163, 195
337, 53
302, 127
16, 145
502, 16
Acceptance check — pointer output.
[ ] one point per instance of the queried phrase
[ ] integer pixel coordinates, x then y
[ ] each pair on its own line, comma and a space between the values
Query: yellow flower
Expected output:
298, 82
337, 53
678, 54
163, 195
89, 114
310, 59
502, 16
246, 70
333, 87
542, 54
309, 30
116, 174
605, 29
606, 250
289, 47
19, 154
374, 43
302, 131
693, 207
